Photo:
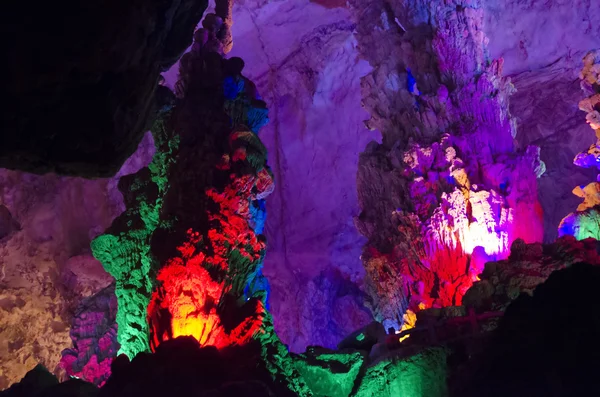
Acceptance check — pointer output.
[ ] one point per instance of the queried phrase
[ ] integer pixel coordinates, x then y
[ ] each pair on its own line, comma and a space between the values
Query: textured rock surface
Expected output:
545, 106
187, 252
330, 373
423, 374
542, 45
528, 266
447, 177
305, 63
311, 237
531, 35
180, 366
76, 99
94, 336
302, 57
546, 344
45, 263
309, 227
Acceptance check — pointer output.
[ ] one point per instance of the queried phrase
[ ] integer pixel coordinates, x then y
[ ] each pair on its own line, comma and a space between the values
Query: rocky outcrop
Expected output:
545, 106
94, 87
40, 382
528, 46
187, 252
546, 342
46, 267
528, 266
309, 75
447, 180
330, 373
94, 336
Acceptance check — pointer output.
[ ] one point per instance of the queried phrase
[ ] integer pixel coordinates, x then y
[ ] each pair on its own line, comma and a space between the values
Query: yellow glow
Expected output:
409, 321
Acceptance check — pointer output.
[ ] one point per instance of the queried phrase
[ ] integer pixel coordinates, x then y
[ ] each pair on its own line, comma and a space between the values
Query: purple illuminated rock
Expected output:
94, 336
308, 73
447, 177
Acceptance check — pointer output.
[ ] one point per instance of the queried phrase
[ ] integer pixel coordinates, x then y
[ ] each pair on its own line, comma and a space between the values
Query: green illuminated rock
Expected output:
124, 249
330, 373
421, 375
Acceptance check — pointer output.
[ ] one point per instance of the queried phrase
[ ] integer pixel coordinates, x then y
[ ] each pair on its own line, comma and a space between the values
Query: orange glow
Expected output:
202, 283
189, 295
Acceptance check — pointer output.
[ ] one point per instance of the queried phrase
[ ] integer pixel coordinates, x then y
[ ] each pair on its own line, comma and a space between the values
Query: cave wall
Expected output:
278, 36
46, 266
81, 78
306, 68
303, 57
542, 44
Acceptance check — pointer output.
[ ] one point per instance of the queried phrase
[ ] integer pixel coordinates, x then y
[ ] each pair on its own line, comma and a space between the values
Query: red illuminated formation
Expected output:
186, 305
191, 298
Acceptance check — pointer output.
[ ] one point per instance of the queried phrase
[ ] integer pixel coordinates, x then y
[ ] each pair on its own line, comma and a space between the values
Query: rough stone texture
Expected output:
187, 252
585, 221
423, 374
545, 106
309, 227
293, 41
528, 266
330, 373
546, 344
45, 264
40, 382
531, 35
542, 44
447, 177
80, 80
180, 367
94, 336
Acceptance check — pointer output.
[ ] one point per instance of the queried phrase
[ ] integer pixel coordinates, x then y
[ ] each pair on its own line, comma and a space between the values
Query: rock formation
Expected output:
46, 267
187, 252
585, 222
528, 266
532, 353
446, 189
309, 74
94, 335
88, 74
